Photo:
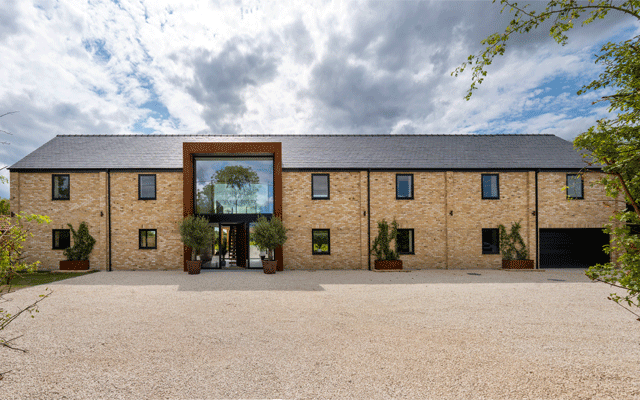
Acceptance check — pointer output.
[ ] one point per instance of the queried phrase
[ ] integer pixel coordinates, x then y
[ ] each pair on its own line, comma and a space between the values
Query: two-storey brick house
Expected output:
448, 193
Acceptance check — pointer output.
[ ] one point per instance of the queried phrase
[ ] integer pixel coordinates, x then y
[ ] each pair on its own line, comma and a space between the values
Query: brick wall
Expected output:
31, 193
441, 240
341, 214
129, 215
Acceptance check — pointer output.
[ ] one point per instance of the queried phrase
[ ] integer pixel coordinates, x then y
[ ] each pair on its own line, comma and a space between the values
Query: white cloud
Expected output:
282, 67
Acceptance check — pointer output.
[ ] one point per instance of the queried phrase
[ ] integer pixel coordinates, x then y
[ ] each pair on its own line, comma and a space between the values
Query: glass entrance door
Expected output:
233, 245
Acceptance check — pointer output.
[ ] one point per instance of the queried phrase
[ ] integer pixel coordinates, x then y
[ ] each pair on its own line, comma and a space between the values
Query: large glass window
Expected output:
234, 185
490, 186
60, 187
574, 186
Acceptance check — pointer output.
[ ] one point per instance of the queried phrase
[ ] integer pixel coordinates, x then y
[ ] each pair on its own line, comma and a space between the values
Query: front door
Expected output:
233, 245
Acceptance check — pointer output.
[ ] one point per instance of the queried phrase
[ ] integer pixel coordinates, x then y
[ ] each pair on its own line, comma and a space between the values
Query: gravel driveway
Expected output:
325, 334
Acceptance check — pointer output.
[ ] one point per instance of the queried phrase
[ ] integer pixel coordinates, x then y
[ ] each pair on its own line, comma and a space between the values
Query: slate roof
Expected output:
316, 151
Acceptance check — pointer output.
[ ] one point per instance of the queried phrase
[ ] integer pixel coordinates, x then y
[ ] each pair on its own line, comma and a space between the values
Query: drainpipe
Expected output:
109, 213
537, 230
369, 218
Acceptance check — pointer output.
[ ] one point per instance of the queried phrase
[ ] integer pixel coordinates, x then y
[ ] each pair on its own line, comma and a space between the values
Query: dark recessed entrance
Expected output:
572, 248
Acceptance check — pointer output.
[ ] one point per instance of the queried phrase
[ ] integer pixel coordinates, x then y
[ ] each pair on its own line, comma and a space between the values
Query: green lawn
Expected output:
40, 278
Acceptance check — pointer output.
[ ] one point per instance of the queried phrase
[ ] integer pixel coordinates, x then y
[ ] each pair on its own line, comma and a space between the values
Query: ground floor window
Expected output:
404, 241
61, 239
148, 239
321, 242
490, 241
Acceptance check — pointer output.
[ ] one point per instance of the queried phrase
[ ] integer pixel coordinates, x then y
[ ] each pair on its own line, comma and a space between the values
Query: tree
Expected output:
613, 143
240, 182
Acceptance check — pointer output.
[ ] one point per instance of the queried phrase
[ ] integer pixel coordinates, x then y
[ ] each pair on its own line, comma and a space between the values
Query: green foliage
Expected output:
269, 234
563, 13
512, 246
195, 232
15, 231
381, 244
321, 248
83, 243
4, 207
223, 244
237, 176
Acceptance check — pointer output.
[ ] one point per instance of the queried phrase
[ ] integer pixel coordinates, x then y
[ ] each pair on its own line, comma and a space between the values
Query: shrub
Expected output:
269, 234
195, 232
512, 246
83, 243
381, 244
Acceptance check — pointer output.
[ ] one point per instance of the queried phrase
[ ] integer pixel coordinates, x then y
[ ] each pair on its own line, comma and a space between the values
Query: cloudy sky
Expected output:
283, 67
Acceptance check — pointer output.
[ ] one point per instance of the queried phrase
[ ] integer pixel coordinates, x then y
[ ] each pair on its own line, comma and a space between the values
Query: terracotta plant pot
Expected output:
517, 264
193, 267
388, 264
269, 267
75, 265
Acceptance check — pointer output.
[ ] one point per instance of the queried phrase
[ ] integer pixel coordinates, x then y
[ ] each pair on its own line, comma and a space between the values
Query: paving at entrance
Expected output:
460, 334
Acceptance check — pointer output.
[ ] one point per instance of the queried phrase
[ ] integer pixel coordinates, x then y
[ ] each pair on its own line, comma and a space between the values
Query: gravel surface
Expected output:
324, 334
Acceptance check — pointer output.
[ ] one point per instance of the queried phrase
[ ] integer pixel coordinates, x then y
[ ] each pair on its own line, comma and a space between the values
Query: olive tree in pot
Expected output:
195, 232
385, 257
267, 235
512, 248
78, 254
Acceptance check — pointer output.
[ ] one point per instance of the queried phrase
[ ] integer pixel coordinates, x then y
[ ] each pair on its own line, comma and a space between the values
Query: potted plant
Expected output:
78, 254
386, 258
269, 234
512, 248
195, 232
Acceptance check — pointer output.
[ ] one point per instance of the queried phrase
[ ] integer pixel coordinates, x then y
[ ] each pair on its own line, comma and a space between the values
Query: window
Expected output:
60, 187
404, 241
490, 186
321, 243
490, 241
148, 239
575, 186
146, 187
61, 239
320, 186
404, 186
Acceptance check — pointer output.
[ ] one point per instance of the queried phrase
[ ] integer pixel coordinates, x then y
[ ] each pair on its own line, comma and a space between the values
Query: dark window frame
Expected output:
313, 197
155, 187
140, 239
581, 187
497, 186
53, 239
53, 187
497, 251
321, 253
413, 248
412, 191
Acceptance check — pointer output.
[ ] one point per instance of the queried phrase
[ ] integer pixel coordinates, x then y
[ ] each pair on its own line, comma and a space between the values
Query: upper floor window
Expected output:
320, 241
320, 186
404, 241
146, 187
148, 238
60, 187
233, 185
404, 186
61, 239
490, 241
575, 186
490, 186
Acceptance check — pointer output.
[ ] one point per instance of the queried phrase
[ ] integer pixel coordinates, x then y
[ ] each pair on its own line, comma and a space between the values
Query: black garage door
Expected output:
572, 248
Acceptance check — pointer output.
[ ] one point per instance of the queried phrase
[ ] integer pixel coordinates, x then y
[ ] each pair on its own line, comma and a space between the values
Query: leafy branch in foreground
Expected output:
563, 13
